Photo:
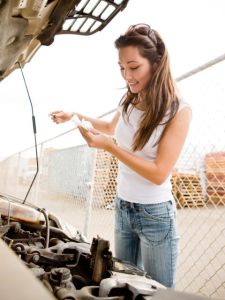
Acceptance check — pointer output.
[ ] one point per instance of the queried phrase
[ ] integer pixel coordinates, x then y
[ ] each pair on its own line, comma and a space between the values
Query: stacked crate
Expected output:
187, 190
215, 177
110, 188
186, 187
105, 179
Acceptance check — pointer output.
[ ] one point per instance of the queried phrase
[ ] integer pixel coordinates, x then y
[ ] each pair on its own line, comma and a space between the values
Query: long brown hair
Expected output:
161, 98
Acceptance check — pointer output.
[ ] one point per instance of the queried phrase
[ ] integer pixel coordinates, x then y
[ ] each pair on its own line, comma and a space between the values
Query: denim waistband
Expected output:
127, 204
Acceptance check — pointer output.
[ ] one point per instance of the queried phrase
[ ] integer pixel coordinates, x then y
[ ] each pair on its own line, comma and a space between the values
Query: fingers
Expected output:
56, 115
87, 135
53, 117
88, 132
53, 113
94, 131
93, 138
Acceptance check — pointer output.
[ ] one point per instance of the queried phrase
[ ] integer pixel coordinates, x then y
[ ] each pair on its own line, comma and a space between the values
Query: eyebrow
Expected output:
131, 61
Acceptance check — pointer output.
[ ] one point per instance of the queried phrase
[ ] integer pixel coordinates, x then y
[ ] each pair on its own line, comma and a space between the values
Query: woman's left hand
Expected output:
96, 139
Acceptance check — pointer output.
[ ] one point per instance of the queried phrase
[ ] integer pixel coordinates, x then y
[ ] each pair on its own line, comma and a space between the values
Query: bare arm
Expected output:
169, 149
107, 127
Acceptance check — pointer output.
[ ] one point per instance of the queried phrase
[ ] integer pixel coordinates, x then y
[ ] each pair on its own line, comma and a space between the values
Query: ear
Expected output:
154, 66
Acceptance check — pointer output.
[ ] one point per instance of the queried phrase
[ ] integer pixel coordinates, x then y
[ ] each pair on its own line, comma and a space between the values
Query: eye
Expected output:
134, 68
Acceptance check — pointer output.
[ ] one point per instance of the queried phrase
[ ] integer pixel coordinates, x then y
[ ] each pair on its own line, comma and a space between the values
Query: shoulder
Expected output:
119, 108
178, 127
183, 116
183, 104
183, 108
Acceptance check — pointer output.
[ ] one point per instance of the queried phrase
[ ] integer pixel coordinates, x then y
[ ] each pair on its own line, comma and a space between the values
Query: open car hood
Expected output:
25, 25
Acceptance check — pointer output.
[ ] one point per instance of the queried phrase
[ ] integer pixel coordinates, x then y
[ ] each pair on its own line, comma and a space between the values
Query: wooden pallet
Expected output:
215, 177
187, 190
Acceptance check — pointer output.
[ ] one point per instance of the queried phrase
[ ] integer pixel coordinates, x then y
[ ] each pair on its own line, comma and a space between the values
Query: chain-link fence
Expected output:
78, 184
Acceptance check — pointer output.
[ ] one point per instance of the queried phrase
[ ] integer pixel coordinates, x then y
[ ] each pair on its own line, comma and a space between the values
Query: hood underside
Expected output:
25, 25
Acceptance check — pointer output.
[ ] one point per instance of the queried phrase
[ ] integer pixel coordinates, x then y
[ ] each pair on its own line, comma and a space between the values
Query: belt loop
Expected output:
124, 204
121, 203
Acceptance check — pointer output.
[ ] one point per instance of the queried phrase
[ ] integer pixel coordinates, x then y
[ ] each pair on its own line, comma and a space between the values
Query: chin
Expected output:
134, 90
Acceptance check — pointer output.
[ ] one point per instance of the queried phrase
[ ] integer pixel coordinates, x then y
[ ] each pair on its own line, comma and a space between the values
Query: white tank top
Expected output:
131, 186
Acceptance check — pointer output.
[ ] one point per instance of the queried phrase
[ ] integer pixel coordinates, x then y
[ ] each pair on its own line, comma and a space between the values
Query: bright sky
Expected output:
81, 73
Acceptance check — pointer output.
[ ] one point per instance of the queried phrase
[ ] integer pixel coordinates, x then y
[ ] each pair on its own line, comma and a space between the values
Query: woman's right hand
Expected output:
60, 116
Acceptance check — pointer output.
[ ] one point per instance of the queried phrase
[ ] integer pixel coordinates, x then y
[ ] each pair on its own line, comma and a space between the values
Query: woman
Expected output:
150, 126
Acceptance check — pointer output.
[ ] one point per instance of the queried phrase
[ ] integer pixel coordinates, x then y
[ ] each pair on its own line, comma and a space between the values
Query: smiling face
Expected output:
135, 69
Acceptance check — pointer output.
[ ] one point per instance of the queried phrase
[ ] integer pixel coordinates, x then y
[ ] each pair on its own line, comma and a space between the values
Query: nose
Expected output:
127, 75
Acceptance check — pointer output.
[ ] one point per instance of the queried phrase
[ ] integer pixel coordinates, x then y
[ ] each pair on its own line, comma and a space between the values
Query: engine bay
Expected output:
65, 262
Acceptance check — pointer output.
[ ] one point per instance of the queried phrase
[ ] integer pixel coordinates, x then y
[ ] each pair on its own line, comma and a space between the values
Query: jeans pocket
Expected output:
156, 221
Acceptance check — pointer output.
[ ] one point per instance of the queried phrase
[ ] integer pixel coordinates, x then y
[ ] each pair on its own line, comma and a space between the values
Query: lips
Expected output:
134, 87
132, 84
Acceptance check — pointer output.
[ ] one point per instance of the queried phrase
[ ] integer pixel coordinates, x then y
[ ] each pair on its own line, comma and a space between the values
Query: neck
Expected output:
139, 104
139, 98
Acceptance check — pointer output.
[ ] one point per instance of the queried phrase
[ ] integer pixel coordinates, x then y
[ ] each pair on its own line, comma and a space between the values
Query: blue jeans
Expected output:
145, 234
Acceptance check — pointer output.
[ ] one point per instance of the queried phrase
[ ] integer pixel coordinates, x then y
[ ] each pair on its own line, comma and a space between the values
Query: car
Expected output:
42, 256
61, 258
27, 25
52, 252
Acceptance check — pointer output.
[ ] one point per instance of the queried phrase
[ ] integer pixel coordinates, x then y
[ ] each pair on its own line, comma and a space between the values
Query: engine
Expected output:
63, 260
